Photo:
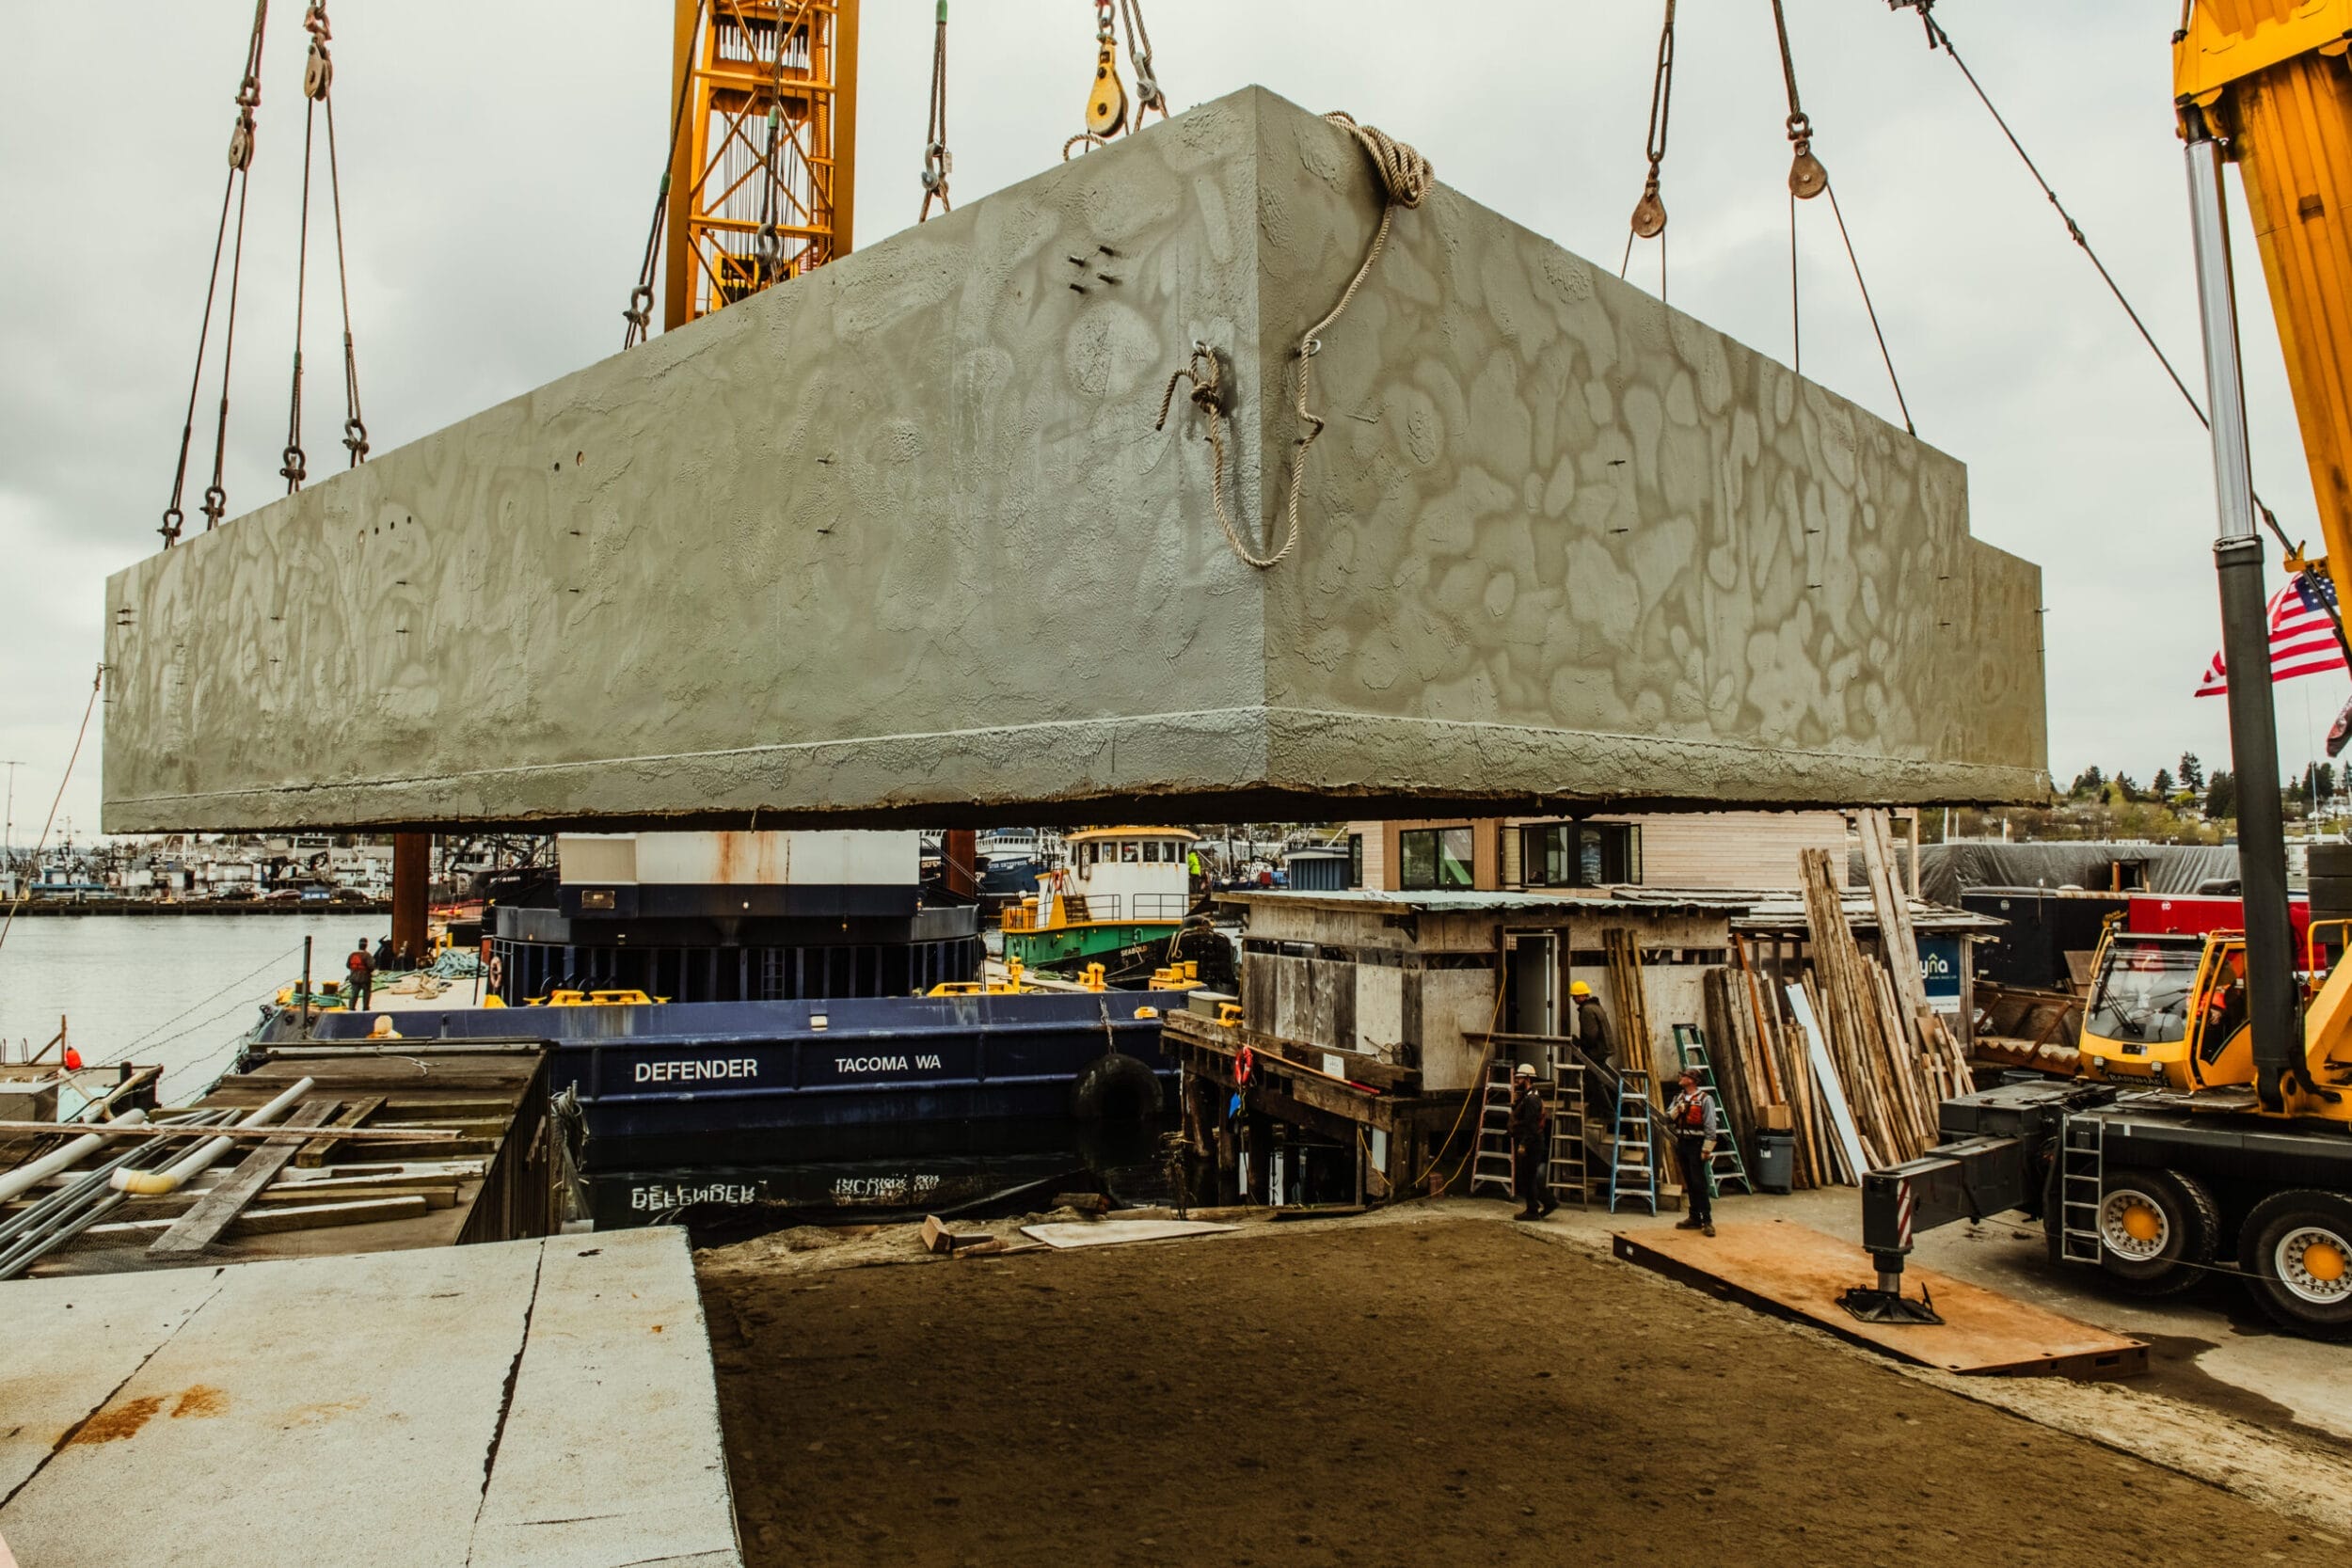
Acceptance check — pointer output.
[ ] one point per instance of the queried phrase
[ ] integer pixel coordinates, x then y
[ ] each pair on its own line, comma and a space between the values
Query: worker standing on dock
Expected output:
1529, 1119
359, 984
1696, 1124
1592, 1024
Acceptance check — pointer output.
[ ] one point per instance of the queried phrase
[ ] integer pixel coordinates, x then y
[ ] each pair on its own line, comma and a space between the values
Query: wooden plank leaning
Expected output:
219, 1209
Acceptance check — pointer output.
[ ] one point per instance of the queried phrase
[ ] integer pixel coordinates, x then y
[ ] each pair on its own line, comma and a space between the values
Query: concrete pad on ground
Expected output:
1800, 1272
619, 1325
74, 1342
358, 1410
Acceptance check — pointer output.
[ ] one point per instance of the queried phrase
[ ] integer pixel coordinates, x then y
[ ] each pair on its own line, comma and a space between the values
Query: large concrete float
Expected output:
521, 1404
898, 542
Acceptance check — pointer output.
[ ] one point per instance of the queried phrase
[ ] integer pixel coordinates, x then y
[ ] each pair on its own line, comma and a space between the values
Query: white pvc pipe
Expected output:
24, 1178
154, 1184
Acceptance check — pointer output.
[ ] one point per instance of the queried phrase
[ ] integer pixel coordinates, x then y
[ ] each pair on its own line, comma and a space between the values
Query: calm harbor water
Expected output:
177, 990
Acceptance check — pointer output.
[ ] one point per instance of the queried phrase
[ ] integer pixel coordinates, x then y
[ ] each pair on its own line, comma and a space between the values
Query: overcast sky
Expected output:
500, 160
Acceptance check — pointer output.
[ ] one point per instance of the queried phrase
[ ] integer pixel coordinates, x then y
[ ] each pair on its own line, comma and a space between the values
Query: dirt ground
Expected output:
1418, 1391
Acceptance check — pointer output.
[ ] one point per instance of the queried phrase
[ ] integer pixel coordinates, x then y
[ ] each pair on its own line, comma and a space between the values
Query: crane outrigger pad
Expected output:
1793, 1271
900, 542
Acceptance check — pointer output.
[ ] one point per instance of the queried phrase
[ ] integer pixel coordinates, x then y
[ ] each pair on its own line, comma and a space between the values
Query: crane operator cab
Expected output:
2168, 1011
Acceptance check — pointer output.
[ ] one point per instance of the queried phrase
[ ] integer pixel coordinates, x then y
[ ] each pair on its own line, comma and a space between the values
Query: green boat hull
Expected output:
1071, 944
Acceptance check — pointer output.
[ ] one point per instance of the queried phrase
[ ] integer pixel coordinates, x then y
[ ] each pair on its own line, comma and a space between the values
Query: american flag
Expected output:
2303, 638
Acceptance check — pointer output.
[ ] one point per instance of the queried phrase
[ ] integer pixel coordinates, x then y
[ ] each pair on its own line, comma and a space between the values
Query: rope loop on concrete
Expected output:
1405, 178
1206, 374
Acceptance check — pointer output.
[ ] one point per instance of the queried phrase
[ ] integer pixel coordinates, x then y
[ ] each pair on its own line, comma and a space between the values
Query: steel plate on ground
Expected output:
1796, 1272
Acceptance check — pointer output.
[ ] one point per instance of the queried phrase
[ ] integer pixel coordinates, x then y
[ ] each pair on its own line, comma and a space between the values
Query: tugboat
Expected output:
1121, 901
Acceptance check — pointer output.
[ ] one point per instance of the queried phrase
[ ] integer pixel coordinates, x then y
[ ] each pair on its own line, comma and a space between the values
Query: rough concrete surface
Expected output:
484, 1404
897, 541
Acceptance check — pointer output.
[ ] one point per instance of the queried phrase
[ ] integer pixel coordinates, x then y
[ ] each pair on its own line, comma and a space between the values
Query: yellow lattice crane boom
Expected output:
761, 167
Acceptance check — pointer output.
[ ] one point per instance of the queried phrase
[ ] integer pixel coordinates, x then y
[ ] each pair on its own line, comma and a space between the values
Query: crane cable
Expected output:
1148, 92
768, 247
240, 160
938, 162
1939, 39
318, 74
1650, 213
640, 312
1808, 179
97, 685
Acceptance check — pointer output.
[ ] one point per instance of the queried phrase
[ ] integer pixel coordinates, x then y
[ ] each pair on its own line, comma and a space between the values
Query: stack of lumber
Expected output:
1750, 1018
1636, 1049
1894, 1061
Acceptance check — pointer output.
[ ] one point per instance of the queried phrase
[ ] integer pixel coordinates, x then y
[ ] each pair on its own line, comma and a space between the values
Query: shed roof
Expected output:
1758, 912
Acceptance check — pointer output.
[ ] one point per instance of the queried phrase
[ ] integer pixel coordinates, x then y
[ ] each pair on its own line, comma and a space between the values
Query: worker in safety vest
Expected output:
1694, 1121
1592, 1033
1530, 1118
360, 985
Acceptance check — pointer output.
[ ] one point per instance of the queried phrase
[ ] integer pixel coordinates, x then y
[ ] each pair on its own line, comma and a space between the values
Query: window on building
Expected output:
1435, 858
1579, 854
1128, 854
1094, 854
1355, 860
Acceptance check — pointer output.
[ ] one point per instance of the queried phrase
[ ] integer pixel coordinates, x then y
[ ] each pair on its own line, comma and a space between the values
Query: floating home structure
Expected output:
1368, 1017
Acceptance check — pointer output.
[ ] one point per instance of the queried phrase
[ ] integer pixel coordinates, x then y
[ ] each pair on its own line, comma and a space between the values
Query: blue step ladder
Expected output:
1726, 1165
1632, 1175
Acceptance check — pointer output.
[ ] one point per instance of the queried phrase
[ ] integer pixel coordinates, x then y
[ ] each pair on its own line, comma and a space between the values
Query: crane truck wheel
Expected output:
2297, 1253
2157, 1231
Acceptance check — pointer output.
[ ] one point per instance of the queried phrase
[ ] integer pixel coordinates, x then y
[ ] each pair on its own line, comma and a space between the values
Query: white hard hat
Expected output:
1524, 1070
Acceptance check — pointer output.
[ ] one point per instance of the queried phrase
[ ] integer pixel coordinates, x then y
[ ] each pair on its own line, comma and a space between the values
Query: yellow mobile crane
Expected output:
2214, 1127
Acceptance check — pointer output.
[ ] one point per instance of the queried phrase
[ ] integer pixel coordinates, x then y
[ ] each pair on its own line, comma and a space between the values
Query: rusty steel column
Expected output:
959, 871
412, 870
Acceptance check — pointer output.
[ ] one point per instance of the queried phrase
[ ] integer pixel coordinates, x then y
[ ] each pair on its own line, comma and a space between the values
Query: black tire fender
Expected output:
1115, 1087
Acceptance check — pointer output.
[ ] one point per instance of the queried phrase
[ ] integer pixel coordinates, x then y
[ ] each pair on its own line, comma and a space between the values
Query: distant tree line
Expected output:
2189, 788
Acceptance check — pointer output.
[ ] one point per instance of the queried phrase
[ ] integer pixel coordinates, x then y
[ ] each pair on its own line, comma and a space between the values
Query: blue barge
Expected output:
825, 1079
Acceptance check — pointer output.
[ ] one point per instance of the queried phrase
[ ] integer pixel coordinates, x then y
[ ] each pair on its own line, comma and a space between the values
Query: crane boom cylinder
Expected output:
2271, 1002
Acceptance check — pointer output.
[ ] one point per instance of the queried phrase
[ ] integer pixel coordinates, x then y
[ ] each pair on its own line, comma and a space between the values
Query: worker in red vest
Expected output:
359, 987
1692, 1119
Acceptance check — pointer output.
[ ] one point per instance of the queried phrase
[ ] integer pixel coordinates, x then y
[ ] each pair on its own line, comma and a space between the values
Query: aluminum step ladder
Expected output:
1491, 1166
1632, 1175
1570, 1172
1726, 1165
2082, 1185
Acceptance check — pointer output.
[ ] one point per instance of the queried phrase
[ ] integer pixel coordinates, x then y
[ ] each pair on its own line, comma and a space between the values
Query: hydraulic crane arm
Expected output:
2262, 83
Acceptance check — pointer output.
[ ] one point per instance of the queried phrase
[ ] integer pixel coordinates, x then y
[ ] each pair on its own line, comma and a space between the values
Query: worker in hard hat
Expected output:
1593, 1033
1530, 1120
1693, 1118
383, 1029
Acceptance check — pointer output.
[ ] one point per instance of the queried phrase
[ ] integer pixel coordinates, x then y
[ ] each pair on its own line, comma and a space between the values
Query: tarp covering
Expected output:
1946, 869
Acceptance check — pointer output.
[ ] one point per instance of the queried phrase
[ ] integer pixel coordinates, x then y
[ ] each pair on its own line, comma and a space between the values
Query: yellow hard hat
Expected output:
1579, 988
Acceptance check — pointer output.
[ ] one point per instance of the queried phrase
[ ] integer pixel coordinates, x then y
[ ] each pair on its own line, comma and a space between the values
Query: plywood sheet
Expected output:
1798, 1271
1112, 1232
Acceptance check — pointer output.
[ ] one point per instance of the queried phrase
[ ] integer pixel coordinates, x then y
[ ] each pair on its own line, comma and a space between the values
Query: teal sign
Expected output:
1939, 971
